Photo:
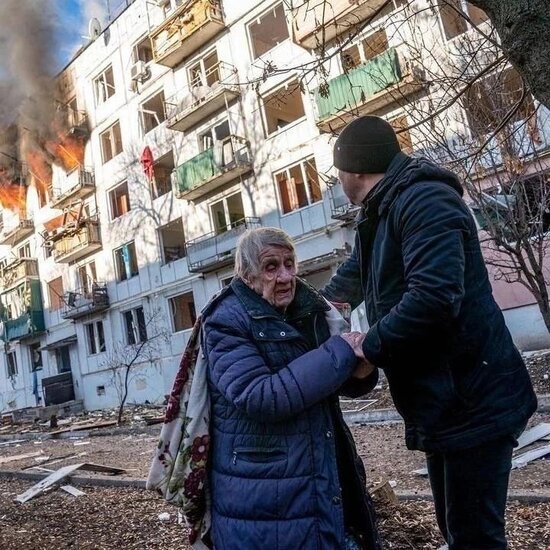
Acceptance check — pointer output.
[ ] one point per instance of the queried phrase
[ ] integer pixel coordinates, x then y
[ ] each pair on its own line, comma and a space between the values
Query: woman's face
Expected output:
276, 281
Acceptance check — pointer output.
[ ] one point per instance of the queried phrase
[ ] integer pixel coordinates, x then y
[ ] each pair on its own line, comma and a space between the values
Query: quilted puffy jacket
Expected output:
284, 471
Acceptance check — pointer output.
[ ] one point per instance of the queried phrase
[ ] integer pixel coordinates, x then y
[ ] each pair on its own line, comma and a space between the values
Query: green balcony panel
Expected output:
196, 171
358, 85
31, 322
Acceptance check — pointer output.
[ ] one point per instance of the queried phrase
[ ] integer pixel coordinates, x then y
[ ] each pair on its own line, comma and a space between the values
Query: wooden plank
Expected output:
14, 442
57, 476
87, 426
534, 434
8, 459
73, 490
47, 482
524, 459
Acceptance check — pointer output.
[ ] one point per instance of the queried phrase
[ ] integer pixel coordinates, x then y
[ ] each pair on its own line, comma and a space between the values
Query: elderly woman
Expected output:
284, 471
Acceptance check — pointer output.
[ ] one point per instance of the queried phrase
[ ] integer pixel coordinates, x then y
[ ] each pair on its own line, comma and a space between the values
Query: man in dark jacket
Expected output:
453, 370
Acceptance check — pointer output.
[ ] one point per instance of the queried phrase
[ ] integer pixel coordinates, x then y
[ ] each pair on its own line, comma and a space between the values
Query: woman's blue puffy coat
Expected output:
284, 472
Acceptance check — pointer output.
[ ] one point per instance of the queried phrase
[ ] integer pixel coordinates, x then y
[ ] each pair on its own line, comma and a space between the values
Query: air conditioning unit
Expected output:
139, 71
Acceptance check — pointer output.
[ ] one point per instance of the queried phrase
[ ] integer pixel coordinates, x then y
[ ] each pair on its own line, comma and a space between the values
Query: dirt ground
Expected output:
117, 518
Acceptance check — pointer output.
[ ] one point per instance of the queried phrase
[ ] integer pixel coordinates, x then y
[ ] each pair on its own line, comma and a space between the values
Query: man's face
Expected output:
276, 281
357, 186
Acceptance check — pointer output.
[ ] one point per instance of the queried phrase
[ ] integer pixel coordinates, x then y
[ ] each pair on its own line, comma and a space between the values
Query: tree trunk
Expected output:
124, 396
524, 29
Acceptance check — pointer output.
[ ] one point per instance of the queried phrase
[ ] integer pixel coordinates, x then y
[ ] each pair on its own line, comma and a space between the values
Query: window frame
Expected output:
59, 300
302, 163
112, 140
229, 225
101, 76
135, 47
137, 324
12, 368
193, 313
272, 92
143, 112
96, 337
111, 195
464, 6
161, 242
128, 275
262, 14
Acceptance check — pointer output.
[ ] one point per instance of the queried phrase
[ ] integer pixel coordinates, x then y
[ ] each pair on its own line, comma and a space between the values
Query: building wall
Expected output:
316, 232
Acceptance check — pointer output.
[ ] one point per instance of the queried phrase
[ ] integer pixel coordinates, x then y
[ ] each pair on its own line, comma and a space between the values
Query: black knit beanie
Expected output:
367, 145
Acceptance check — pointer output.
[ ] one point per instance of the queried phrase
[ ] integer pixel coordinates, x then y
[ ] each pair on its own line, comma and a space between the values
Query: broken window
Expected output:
143, 51
119, 199
172, 241
153, 113
134, 323
205, 72
126, 262
24, 251
453, 15
111, 142
95, 337
218, 135
400, 125
298, 186
227, 213
267, 31
11, 361
488, 101
162, 175
104, 86
87, 277
36, 357
183, 311
283, 106
55, 294
358, 54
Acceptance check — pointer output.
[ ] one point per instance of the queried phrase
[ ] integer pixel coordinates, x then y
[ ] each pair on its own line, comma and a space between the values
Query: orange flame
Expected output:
40, 169
13, 196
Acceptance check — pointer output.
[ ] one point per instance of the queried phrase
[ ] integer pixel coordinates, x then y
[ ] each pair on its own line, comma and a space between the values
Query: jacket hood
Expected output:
405, 171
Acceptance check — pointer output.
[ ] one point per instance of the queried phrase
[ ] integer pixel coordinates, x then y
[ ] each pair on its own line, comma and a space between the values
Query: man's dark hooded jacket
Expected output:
453, 370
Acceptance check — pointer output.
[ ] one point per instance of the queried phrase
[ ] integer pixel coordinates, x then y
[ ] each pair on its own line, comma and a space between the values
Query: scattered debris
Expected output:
57, 476
524, 459
7, 459
85, 426
534, 434
164, 517
73, 491
383, 492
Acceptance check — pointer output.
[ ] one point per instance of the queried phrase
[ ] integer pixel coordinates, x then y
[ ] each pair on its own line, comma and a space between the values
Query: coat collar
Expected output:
306, 300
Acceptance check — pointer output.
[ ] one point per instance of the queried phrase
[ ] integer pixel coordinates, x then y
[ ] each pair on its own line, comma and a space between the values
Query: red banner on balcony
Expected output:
147, 162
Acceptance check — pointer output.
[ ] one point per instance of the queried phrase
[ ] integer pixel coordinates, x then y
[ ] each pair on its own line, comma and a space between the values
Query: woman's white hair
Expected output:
252, 243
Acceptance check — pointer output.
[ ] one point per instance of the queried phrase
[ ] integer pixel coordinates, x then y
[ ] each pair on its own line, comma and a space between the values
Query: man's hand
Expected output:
355, 340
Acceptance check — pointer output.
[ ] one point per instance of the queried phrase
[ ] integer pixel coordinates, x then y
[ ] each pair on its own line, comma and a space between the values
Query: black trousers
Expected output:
469, 489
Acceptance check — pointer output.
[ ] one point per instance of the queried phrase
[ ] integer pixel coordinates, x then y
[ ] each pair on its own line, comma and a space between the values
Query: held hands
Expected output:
364, 367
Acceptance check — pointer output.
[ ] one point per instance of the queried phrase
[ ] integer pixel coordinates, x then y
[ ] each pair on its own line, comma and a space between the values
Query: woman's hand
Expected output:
364, 367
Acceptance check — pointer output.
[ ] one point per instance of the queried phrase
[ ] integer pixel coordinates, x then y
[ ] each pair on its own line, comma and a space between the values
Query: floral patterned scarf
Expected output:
179, 468
178, 471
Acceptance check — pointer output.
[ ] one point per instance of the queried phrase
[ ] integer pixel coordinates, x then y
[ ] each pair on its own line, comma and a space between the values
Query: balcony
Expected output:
75, 240
197, 102
189, 28
17, 271
341, 208
12, 236
364, 90
213, 168
85, 301
73, 122
31, 322
315, 26
216, 250
80, 183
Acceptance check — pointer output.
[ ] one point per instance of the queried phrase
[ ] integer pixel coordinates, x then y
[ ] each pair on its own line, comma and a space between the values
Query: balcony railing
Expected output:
190, 27
206, 95
75, 240
29, 323
80, 183
84, 301
18, 271
15, 234
364, 90
211, 169
316, 25
216, 250
341, 208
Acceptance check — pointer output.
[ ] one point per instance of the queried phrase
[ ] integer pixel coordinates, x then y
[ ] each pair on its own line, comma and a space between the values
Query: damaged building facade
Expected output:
178, 127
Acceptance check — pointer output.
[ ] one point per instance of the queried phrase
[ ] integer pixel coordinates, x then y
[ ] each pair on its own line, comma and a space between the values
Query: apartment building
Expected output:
184, 124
